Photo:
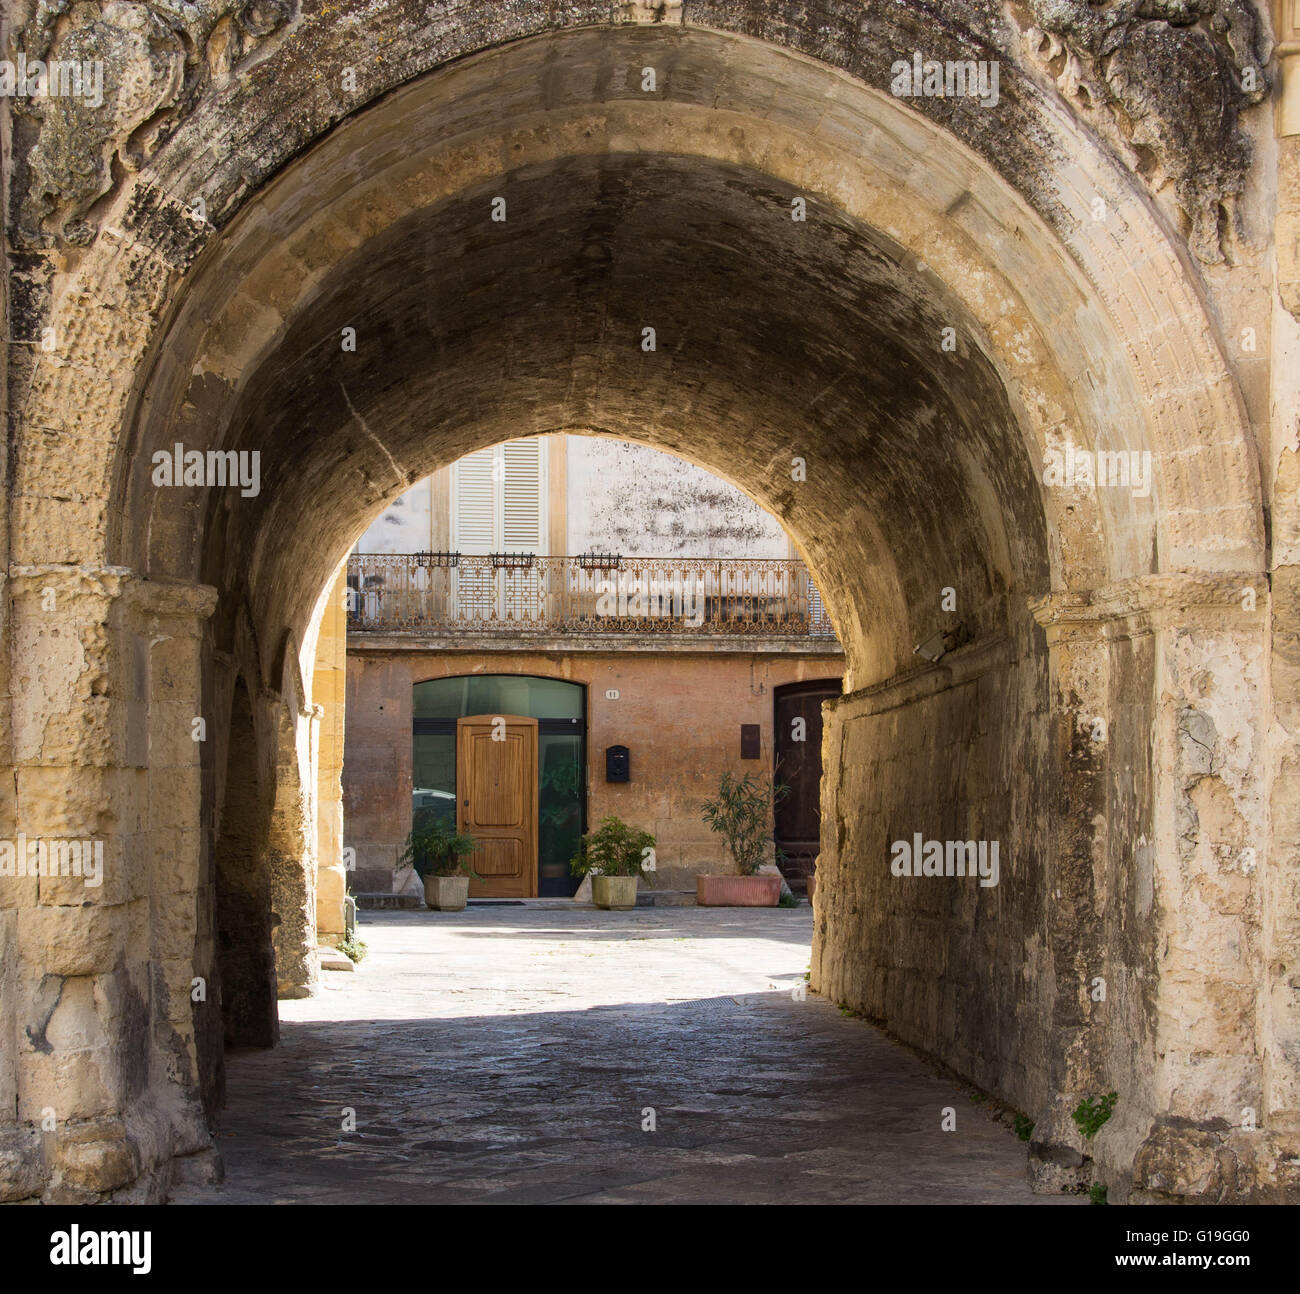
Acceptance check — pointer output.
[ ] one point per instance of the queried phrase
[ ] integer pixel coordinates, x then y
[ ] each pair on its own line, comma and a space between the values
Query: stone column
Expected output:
1081, 737
1182, 877
1282, 477
96, 946
329, 690
291, 858
243, 877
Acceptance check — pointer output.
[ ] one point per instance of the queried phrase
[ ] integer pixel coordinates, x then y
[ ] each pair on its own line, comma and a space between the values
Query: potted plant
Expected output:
613, 856
438, 852
740, 813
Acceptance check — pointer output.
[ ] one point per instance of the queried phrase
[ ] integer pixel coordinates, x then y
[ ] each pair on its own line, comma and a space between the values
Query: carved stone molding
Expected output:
1148, 602
145, 67
1164, 82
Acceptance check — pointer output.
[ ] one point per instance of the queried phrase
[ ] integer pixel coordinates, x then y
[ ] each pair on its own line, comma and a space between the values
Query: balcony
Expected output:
508, 595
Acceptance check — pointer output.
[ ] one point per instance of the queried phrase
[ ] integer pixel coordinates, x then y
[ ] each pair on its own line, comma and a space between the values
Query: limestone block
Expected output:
174, 923
201, 1168
22, 1167
331, 892
331, 959
73, 1085
72, 940
95, 1156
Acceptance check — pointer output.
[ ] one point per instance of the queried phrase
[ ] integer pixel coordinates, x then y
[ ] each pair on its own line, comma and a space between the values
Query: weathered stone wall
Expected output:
958, 970
1125, 947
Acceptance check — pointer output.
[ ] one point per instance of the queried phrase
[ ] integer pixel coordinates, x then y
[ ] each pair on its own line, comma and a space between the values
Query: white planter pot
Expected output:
446, 893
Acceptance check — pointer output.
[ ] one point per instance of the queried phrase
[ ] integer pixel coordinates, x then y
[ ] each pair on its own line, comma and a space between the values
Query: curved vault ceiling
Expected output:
775, 338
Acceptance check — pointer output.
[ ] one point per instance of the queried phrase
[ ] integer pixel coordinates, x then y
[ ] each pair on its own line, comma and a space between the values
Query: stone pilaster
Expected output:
1182, 879
292, 860
1081, 741
97, 962
329, 691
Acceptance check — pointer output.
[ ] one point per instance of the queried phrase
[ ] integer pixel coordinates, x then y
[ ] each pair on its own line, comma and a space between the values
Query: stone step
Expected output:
375, 900
665, 899
333, 960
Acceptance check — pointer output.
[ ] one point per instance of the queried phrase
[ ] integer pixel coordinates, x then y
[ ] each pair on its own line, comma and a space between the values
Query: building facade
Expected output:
636, 621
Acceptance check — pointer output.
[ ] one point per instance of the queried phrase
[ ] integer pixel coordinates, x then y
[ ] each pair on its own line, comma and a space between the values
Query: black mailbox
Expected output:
618, 764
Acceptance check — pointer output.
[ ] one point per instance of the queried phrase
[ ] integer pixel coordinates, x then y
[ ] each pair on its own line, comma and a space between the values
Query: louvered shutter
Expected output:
499, 499
476, 503
499, 506
523, 502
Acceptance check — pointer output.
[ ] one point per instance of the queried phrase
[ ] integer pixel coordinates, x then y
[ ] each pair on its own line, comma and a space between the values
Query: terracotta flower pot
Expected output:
737, 891
616, 892
446, 893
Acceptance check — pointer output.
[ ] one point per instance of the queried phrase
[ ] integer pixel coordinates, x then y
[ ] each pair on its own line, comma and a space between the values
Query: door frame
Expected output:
829, 686
531, 811
578, 726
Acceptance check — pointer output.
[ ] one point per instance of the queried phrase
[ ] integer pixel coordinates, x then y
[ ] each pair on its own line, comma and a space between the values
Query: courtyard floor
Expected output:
512, 1054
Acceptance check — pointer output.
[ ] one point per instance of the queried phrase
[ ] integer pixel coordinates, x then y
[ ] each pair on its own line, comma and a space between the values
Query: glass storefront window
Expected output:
433, 770
561, 756
534, 698
559, 807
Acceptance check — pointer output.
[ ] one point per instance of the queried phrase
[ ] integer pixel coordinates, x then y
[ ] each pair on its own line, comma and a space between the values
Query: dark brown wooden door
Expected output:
798, 752
496, 786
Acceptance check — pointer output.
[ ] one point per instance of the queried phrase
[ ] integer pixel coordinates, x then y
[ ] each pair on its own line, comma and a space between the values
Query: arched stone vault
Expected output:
776, 339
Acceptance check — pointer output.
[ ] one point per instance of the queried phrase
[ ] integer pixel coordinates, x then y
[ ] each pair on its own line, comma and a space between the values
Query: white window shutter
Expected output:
475, 528
523, 527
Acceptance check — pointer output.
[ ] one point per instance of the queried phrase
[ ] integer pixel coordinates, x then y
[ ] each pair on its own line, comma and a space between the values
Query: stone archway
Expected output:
889, 374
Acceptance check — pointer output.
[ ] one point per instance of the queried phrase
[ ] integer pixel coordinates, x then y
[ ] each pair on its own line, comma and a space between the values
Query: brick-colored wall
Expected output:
679, 715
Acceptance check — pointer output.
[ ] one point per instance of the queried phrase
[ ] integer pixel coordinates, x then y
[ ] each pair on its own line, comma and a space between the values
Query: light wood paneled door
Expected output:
496, 787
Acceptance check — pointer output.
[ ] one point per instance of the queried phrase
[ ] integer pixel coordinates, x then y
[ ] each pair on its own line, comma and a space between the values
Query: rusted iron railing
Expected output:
594, 593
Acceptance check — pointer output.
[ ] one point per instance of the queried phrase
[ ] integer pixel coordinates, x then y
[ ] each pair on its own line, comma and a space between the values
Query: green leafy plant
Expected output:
1097, 1193
1024, 1126
613, 849
435, 848
788, 901
740, 813
351, 946
1089, 1115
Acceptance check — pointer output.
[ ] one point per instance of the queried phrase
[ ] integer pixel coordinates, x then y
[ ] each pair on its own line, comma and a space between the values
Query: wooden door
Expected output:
496, 790
799, 766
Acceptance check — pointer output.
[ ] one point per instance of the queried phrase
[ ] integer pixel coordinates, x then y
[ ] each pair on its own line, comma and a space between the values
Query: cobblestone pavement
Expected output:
507, 1054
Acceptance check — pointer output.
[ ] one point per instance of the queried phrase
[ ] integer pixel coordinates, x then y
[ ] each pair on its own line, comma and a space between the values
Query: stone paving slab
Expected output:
507, 1056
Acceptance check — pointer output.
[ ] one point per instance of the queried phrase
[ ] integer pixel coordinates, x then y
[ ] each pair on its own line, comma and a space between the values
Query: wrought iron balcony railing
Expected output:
596, 593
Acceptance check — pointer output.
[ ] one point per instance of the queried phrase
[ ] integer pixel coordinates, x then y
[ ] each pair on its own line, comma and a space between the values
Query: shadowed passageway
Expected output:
507, 1055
